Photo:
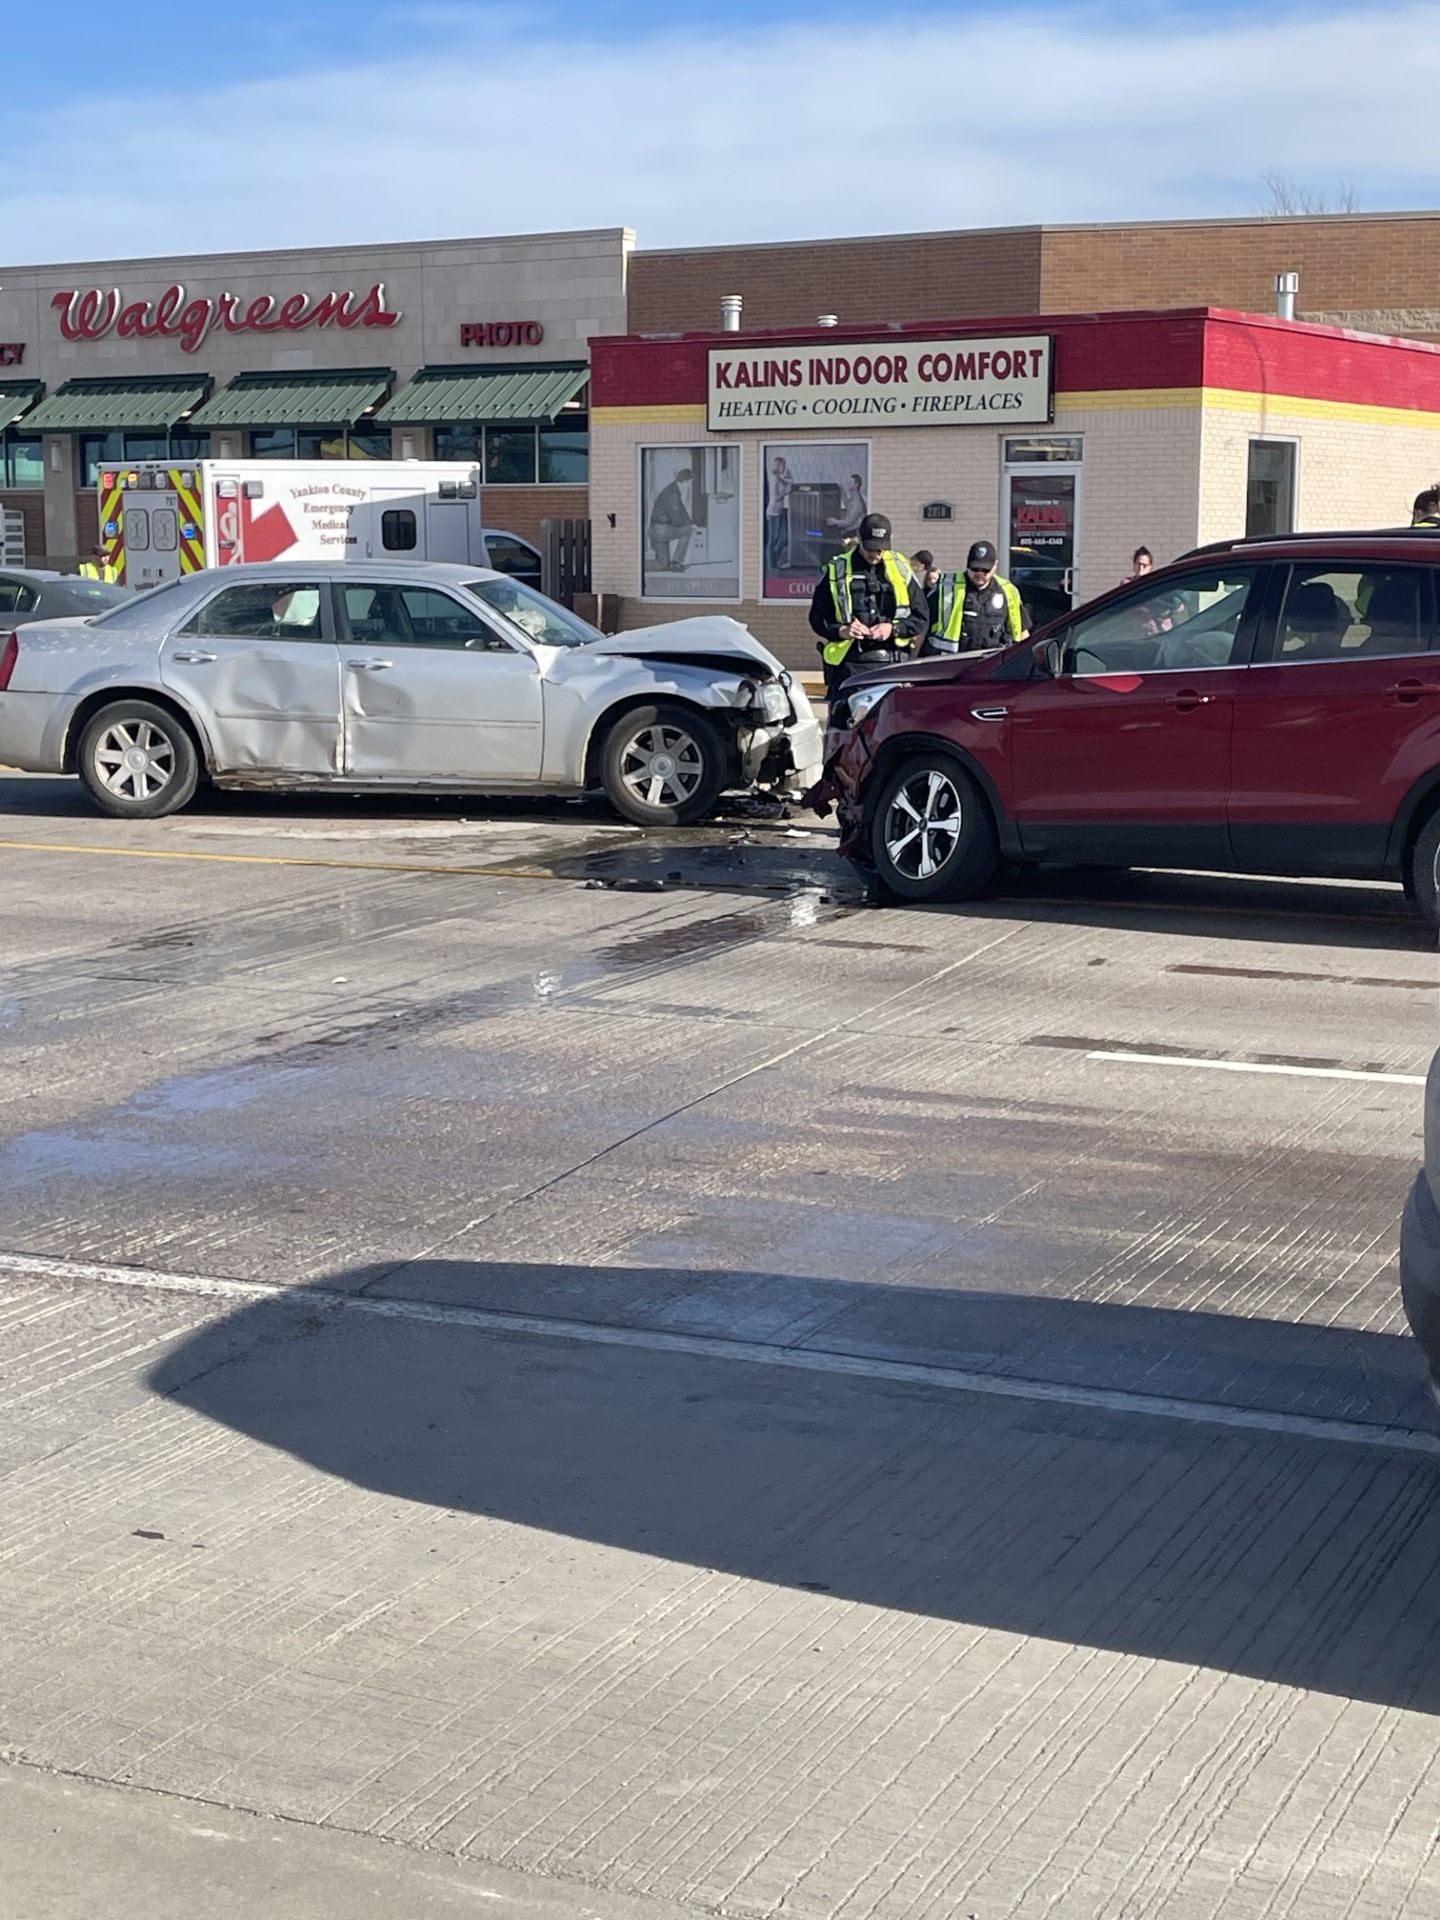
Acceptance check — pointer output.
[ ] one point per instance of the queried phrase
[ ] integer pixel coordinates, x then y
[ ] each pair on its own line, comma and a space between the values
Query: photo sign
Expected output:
896, 382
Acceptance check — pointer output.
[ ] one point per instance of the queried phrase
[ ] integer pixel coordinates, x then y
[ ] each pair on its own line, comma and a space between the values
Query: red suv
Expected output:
1262, 706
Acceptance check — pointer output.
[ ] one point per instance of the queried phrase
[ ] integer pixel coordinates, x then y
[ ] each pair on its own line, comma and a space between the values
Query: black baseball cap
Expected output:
981, 556
874, 531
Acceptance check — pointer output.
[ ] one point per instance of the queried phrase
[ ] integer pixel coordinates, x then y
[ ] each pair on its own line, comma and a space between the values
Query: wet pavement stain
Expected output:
1319, 979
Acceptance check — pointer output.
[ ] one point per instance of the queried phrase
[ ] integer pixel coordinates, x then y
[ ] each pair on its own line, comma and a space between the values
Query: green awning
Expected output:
17, 397
331, 399
112, 406
441, 396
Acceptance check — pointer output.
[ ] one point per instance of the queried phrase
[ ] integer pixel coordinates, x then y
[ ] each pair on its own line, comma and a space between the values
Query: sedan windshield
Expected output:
546, 622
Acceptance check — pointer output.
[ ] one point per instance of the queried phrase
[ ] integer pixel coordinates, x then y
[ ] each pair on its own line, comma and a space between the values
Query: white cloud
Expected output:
703, 137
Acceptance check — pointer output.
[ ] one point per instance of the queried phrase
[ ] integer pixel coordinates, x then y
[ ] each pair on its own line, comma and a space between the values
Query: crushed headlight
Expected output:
772, 700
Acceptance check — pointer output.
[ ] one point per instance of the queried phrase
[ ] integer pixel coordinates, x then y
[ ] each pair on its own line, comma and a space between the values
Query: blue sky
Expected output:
277, 124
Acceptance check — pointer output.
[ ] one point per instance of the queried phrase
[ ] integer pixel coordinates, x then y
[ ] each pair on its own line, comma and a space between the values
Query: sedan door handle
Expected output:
197, 658
369, 666
1407, 692
1187, 700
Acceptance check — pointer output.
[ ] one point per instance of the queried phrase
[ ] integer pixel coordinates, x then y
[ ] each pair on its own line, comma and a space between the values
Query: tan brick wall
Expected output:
1371, 267
931, 276
521, 509
1348, 473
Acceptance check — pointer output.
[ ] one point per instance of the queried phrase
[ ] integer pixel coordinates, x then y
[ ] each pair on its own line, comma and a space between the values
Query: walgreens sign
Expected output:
92, 313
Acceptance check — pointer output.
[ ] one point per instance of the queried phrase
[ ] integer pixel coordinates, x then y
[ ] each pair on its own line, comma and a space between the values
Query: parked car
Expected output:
514, 557
30, 593
404, 676
1265, 706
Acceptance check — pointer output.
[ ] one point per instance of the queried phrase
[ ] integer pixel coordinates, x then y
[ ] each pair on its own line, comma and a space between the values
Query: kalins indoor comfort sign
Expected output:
92, 313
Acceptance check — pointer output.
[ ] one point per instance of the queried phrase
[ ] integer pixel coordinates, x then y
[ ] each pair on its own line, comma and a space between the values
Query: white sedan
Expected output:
409, 677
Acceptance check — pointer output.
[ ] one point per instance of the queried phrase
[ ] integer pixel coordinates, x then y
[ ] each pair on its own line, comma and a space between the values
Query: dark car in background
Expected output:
1264, 706
28, 593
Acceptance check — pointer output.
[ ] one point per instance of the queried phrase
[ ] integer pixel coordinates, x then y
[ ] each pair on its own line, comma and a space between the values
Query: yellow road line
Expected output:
278, 860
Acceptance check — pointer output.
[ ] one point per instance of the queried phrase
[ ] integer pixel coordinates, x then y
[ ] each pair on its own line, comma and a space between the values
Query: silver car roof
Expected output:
456, 574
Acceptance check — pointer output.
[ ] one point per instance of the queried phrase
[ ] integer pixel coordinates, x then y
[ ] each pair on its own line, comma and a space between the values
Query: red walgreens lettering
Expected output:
91, 313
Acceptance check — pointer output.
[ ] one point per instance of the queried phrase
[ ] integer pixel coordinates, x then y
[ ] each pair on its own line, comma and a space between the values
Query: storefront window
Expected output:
369, 443
564, 455
272, 443
99, 450
21, 461
459, 443
189, 446
510, 456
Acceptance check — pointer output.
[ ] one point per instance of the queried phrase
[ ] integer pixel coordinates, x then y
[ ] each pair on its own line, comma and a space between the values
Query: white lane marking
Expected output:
752, 1352
1260, 1066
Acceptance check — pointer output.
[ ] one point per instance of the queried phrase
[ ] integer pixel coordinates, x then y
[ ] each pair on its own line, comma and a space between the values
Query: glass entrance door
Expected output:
1040, 512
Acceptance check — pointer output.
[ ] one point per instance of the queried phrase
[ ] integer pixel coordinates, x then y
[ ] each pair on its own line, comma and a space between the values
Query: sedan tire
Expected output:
138, 761
663, 765
932, 835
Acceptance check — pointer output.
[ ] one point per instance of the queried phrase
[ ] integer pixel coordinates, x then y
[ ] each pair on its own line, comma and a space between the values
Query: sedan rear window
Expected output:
544, 620
139, 609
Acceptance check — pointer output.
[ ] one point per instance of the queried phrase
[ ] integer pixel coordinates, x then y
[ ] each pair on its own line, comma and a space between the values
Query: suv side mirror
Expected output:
1050, 657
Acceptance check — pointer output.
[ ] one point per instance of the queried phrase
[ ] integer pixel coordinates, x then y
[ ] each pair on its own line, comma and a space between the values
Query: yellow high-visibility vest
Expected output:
99, 570
952, 606
902, 580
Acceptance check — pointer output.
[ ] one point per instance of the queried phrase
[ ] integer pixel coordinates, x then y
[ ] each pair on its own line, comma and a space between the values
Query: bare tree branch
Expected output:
1289, 200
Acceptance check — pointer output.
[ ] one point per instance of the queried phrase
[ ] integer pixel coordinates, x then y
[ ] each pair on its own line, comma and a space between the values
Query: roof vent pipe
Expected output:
1287, 285
827, 320
730, 306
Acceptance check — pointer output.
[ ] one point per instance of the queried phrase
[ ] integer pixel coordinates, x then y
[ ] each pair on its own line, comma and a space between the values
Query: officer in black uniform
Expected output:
975, 610
868, 607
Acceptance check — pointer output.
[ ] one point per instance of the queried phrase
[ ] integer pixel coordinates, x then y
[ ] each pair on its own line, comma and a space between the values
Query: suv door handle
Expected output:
369, 666
1407, 692
1187, 700
197, 658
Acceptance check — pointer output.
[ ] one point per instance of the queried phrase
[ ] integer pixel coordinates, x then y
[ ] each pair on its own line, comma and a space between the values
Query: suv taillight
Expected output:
9, 654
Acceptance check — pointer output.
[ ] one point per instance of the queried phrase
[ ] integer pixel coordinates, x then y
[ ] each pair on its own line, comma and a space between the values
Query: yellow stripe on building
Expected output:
1234, 400
646, 416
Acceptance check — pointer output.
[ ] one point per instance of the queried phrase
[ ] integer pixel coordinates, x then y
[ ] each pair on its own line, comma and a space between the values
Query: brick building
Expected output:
726, 467
1378, 272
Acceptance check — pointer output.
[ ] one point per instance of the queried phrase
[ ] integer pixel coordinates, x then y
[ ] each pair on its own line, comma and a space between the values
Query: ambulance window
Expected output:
397, 530
137, 529
162, 529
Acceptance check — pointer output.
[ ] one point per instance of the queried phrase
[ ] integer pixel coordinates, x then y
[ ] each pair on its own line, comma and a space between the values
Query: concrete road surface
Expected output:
556, 1371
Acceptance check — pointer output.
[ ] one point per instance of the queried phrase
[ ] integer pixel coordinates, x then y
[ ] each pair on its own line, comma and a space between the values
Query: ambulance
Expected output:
161, 519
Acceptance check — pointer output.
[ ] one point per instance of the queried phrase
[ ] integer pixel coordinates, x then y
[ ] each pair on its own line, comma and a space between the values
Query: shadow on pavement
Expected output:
1307, 1562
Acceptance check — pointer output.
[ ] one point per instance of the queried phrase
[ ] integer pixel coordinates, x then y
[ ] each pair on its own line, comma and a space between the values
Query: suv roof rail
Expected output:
1301, 539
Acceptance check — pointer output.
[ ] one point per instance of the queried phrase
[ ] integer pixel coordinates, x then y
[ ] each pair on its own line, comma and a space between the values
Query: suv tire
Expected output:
138, 760
932, 835
1421, 881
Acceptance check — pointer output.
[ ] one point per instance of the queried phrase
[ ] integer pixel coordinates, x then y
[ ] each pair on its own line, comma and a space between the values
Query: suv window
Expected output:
261, 610
395, 616
1193, 620
508, 555
1345, 613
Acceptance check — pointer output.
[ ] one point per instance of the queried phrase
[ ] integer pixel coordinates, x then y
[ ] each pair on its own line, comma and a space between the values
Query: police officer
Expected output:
98, 567
868, 608
1426, 511
976, 609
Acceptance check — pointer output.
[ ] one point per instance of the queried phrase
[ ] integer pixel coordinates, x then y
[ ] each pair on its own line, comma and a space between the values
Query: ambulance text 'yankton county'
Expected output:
914, 383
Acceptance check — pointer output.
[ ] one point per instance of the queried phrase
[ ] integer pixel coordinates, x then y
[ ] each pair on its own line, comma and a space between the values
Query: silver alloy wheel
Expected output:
923, 824
135, 759
662, 766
